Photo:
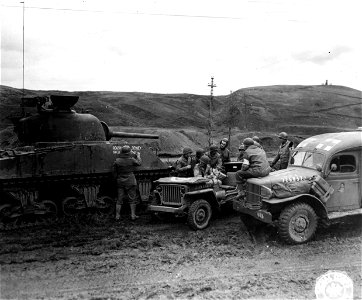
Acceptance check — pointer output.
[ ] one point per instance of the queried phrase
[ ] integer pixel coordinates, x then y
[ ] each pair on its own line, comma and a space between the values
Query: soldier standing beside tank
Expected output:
255, 165
126, 181
283, 152
184, 164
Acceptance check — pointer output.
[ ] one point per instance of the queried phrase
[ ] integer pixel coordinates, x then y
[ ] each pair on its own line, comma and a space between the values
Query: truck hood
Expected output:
286, 175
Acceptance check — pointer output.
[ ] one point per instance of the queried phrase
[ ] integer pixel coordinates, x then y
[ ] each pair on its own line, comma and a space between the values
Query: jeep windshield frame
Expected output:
308, 159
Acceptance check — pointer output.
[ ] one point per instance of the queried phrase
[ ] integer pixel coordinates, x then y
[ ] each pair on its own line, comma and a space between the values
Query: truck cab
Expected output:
322, 182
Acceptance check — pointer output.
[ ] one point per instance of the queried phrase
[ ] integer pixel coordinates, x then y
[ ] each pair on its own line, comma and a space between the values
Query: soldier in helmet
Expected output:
241, 152
283, 152
215, 158
257, 141
123, 169
202, 168
183, 166
255, 164
224, 151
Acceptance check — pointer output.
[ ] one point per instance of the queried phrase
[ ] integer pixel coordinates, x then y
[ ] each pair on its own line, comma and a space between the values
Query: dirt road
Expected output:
150, 259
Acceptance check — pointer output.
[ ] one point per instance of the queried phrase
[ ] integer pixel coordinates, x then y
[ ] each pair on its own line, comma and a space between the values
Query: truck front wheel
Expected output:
199, 214
297, 223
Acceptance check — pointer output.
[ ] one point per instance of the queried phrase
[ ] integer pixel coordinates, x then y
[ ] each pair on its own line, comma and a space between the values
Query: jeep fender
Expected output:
206, 194
313, 201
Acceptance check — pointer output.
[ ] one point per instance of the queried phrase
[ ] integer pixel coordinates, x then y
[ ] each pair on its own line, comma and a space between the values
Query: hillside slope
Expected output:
181, 119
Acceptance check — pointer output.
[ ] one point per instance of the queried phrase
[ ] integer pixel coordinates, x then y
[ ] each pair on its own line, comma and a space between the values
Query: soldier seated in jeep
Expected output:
257, 165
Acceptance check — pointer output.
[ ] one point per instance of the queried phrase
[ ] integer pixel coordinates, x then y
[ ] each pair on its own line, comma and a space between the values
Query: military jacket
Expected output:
181, 167
225, 155
283, 155
201, 170
123, 169
215, 161
258, 163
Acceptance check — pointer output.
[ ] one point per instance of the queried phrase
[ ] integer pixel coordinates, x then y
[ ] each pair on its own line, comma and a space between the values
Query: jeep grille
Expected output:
171, 194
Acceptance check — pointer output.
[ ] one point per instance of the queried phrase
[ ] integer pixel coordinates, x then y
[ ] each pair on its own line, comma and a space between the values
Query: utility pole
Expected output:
231, 121
245, 112
22, 99
209, 130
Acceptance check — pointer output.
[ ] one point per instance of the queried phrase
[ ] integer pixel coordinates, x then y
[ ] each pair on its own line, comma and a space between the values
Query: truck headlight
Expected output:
265, 192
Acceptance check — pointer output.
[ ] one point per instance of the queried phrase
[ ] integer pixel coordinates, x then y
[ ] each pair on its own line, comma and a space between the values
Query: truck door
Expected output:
346, 182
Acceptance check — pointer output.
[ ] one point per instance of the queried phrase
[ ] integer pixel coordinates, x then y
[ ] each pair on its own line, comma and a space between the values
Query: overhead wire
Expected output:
129, 13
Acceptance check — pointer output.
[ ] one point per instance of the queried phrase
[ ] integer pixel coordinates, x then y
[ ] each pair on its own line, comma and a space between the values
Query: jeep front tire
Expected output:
199, 214
297, 223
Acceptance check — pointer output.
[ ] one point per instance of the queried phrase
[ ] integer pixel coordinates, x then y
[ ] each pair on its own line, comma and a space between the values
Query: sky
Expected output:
176, 46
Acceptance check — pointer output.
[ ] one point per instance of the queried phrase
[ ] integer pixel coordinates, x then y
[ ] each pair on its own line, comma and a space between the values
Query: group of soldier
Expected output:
209, 164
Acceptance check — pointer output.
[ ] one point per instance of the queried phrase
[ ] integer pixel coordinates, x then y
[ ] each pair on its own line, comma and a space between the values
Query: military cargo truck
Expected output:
322, 183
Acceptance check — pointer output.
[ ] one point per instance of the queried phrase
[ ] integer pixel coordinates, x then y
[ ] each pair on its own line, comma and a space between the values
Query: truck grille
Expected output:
253, 196
171, 194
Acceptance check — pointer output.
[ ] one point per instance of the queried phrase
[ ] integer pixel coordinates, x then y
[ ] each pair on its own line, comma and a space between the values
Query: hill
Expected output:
182, 119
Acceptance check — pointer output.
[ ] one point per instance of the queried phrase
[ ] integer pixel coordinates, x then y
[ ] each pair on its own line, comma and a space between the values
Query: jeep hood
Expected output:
285, 175
182, 180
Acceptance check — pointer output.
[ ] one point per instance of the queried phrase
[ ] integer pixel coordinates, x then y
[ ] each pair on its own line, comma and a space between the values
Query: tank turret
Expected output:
59, 123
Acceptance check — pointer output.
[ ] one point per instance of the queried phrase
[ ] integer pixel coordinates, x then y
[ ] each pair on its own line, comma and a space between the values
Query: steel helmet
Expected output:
126, 149
226, 140
205, 159
187, 150
256, 139
199, 152
283, 135
248, 142
213, 148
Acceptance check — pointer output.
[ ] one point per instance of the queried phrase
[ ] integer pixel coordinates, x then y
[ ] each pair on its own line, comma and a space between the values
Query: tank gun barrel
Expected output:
109, 134
131, 135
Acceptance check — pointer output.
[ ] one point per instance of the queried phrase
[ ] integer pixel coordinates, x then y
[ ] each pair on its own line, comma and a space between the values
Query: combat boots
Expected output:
133, 212
118, 211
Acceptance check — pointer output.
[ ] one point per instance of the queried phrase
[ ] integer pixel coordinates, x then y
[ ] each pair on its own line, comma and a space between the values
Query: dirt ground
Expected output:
151, 259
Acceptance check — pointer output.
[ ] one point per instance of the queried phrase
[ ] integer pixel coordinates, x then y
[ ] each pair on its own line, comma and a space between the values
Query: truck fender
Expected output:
313, 201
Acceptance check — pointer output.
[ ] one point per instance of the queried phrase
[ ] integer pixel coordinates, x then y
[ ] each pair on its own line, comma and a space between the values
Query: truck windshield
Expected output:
307, 159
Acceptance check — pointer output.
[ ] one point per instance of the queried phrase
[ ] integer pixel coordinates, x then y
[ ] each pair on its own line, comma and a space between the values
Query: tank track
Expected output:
38, 183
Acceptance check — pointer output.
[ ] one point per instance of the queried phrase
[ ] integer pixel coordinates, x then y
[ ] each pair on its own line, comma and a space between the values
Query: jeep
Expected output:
197, 198
321, 183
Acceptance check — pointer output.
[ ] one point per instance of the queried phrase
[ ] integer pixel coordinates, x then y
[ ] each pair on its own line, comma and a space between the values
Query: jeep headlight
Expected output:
183, 190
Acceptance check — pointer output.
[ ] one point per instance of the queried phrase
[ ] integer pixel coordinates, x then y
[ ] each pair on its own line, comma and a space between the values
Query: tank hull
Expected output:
73, 175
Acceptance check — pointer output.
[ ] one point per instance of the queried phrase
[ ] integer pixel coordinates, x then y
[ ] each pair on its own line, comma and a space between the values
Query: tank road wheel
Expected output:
51, 209
69, 206
105, 205
199, 214
297, 223
5, 214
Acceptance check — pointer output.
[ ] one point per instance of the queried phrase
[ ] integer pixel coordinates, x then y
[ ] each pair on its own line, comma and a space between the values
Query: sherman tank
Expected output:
64, 164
